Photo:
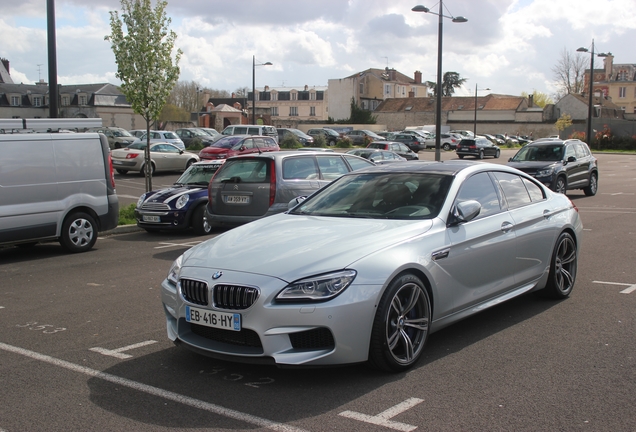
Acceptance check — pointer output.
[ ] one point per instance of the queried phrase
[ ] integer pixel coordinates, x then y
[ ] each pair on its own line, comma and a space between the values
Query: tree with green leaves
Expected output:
450, 82
359, 115
564, 122
538, 98
145, 66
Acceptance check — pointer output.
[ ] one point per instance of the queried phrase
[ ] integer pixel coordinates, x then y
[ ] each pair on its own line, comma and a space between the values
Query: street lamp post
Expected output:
590, 105
254, 86
475, 123
438, 108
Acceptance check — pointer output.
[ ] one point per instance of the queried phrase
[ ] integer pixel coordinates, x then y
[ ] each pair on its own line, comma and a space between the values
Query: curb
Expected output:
121, 229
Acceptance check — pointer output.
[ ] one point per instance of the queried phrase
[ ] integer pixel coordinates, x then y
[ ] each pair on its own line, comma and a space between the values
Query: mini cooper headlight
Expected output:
317, 288
175, 270
182, 201
141, 200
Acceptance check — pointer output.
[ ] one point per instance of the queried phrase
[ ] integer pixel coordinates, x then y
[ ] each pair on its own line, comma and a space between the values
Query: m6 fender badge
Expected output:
217, 275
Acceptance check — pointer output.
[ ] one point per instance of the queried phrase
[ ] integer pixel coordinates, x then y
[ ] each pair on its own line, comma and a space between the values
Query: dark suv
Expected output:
560, 165
330, 135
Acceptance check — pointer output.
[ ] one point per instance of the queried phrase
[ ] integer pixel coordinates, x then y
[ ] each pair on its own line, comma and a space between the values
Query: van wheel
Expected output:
79, 232
200, 224
122, 172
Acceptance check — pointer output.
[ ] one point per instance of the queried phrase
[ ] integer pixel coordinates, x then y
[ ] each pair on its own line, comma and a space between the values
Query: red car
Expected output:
234, 145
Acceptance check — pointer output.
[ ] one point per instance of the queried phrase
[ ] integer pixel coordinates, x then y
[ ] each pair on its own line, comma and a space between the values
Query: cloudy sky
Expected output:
509, 46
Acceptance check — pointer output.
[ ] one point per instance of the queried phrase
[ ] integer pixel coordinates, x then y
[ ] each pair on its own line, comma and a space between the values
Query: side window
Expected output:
228, 131
240, 131
580, 151
299, 168
253, 131
331, 167
357, 163
248, 143
569, 151
481, 189
514, 190
536, 193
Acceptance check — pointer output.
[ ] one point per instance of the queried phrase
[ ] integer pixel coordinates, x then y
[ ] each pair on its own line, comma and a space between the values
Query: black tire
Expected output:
461, 156
561, 185
332, 143
563, 267
401, 325
189, 163
497, 154
199, 223
79, 232
591, 189
142, 171
122, 172
481, 154
446, 146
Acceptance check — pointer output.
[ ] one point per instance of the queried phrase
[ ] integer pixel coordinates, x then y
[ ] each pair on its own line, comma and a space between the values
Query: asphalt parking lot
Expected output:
83, 346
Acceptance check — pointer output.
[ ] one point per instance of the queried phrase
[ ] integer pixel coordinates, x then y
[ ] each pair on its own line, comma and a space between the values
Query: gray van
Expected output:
56, 186
265, 130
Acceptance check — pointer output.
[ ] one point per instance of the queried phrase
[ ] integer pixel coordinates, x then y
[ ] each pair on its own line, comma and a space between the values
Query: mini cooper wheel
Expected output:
79, 232
200, 224
591, 189
401, 325
563, 268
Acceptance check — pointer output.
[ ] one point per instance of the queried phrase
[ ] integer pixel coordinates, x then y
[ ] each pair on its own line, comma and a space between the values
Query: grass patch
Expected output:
127, 215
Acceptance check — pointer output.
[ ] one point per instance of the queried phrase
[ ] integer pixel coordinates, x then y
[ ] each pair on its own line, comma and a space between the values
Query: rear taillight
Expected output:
132, 155
474, 147
272, 183
112, 173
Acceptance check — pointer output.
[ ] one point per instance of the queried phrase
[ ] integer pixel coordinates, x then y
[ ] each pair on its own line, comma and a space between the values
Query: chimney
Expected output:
233, 95
5, 62
393, 75
266, 88
418, 77
609, 66
530, 101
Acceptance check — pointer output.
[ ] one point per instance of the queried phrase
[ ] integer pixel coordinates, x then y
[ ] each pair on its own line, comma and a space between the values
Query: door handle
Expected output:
506, 226
440, 254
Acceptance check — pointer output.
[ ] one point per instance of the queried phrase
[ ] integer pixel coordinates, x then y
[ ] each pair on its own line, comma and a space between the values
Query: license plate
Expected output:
234, 199
220, 320
116, 162
147, 218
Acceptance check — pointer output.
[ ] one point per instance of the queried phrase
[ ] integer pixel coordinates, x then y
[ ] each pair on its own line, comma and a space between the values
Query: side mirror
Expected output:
293, 203
464, 211
571, 159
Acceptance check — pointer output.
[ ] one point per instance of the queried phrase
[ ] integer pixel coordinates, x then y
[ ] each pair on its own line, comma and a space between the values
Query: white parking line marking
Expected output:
117, 353
382, 419
167, 245
154, 391
632, 287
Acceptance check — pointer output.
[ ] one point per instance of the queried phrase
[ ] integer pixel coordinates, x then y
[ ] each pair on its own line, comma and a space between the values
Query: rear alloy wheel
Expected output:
562, 268
561, 185
481, 154
446, 146
591, 189
200, 223
142, 171
497, 154
190, 162
401, 325
79, 232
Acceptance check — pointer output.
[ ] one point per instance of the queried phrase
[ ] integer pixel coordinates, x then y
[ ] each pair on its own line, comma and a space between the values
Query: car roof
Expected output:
283, 154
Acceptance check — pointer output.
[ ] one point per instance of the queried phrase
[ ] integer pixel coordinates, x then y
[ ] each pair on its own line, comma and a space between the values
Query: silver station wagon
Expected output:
247, 188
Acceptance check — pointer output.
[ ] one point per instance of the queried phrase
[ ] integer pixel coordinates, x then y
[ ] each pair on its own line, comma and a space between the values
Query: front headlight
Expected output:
175, 270
545, 172
141, 200
182, 201
317, 288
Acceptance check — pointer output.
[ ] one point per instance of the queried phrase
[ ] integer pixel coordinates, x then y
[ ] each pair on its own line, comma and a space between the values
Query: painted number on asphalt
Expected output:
44, 328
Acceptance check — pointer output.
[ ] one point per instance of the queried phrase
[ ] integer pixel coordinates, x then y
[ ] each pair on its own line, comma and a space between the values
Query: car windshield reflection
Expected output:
548, 153
380, 196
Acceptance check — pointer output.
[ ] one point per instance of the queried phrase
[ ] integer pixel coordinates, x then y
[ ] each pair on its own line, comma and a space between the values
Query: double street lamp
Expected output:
475, 123
438, 108
254, 86
590, 105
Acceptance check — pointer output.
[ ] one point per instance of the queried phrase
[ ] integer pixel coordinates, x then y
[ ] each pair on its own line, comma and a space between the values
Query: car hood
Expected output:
290, 247
170, 195
216, 150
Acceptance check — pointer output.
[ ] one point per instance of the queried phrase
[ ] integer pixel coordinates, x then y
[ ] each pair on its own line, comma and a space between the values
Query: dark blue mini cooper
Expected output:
181, 206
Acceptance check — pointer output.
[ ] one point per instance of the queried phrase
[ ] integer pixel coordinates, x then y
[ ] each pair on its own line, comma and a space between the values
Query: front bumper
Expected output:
168, 220
287, 334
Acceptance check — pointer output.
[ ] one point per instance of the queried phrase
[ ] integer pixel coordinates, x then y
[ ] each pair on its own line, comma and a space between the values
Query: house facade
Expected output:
288, 106
369, 88
616, 82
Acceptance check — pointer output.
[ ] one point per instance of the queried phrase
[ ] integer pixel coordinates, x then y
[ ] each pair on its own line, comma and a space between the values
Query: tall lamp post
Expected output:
475, 123
438, 108
254, 86
590, 105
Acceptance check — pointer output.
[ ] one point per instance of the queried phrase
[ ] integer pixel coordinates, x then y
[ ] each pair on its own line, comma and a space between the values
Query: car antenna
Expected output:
259, 149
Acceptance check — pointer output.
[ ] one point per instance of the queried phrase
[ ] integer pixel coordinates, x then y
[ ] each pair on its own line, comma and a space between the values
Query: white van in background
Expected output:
56, 186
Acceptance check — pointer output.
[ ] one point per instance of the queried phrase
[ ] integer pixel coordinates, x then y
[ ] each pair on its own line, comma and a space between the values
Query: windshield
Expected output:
198, 175
380, 196
227, 142
546, 153
122, 133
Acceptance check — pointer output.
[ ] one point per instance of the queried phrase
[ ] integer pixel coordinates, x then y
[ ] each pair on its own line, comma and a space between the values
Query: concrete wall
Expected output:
340, 93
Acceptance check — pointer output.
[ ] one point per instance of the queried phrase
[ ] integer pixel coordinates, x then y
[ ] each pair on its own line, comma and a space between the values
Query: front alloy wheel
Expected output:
401, 325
